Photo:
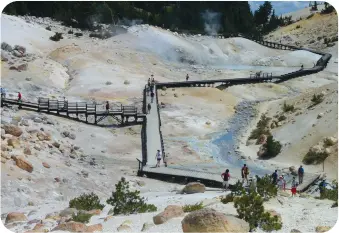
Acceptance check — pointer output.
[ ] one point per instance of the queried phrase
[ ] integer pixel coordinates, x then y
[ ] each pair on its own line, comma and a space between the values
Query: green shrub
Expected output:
190, 208
288, 108
86, 202
310, 16
270, 223
250, 208
70, 32
227, 199
237, 189
265, 187
48, 28
313, 157
78, 34
281, 118
297, 27
128, 202
261, 127
331, 194
81, 217
272, 148
317, 99
56, 37
328, 142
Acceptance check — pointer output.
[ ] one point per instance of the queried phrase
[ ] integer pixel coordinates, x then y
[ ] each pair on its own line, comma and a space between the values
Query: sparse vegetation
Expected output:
313, 157
262, 127
127, 202
331, 194
81, 217
48, 28
272, 148
56, 37
265, 187
86, 202
250, 208
190, 208
297, 27
237, 189
70, 32
310, 16
288, 107
328, 142
228, 198
78, 34
317, 99
328, 9
281, 118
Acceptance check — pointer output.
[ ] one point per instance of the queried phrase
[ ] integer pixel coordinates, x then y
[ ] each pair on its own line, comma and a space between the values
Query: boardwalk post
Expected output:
76, 109
86, 113
66, 102
95, 114
48, 105
58, 107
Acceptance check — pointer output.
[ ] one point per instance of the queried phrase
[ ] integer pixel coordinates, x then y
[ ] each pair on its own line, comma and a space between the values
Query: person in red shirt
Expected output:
19, 96
226, 177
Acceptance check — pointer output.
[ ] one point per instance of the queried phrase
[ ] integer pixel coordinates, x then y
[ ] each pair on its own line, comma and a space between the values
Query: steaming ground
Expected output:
117, 69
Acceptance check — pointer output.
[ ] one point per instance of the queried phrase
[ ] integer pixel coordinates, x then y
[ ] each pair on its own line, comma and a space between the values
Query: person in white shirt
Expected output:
158, 157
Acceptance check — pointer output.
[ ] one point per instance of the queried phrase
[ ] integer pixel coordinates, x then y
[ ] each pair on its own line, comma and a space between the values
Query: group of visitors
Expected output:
150, 88
281, 182
4, 92
244, 174
160, 156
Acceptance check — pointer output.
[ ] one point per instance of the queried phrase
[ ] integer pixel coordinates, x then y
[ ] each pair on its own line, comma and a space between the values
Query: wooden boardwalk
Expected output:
120, 113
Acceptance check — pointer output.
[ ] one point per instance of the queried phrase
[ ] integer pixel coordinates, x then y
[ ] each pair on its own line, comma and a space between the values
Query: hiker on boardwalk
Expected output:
107, 107
226, 177
158, 157
302, 67
152, 96
301, 174
244, 173
187, 77
275, 177
148, 108
149, 82
3, 92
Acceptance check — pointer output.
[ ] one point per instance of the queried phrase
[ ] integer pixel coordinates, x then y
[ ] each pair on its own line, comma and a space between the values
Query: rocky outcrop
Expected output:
319, 229
194, 187
14, 142
15, 217
209, 220
13, 130
23, 164
171, 211
44, 136
95, 227
71, 226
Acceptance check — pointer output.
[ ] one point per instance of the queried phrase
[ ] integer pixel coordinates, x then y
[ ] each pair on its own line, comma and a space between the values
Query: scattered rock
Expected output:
209, 220
108, 83
108, 218
23, 164
57, 179
3, 160
95, 227
71, 226
14, 142
15, 217
65, 134
37, 147
194, 187
322, 228
6, 47
176, 95
46, 165
295, 231
124, 228
20, 48
28, 79
22, 67
24, 122
72, 136
56, 144
37, 120
13, 130
320, 115
126, 82
27, 151
293, 170
44, 136
146, 226
170, 211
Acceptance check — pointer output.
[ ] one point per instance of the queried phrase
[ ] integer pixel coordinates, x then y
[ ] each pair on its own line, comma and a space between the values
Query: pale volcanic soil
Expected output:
194, 120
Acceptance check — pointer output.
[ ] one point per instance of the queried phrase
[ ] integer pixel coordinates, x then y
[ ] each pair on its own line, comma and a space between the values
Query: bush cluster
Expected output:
48, 28
190, 208
70, 32
288, 108
266, 188
127, 202
250, 208
81, 217
281, 118
317, 99
86, 202
331, 194
272, 148
313, 157
227, 199
78, 34
56, 37
261, 127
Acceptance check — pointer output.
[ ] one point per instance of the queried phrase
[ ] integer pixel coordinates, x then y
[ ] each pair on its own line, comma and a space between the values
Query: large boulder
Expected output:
194, 187
20, 48
13, 130
44, 136
71, 226
209, 220
15, 217
23, 164
171, 211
